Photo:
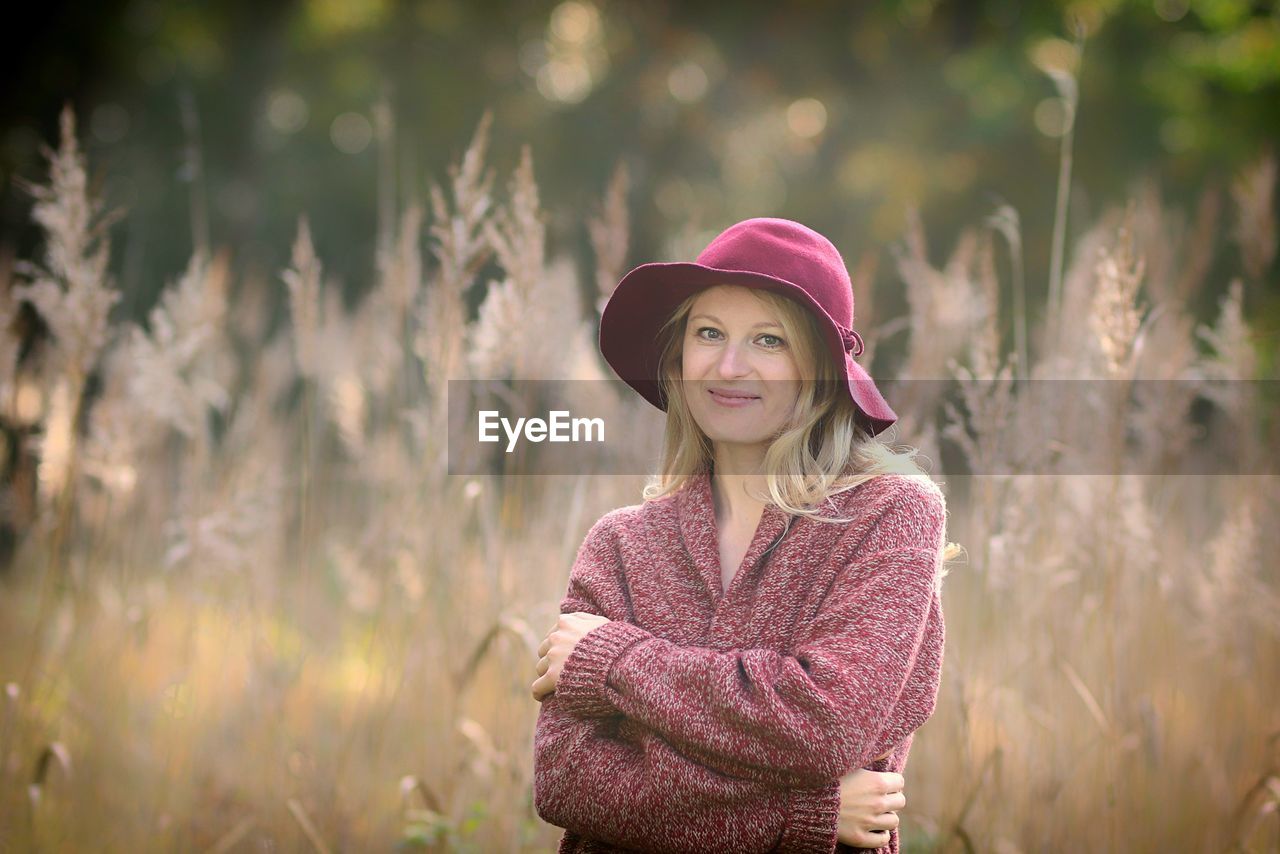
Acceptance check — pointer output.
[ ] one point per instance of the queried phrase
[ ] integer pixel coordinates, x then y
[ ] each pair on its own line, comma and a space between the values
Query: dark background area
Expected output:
947, 106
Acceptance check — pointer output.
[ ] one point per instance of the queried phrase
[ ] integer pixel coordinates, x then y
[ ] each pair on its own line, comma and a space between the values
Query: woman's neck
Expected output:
736, 488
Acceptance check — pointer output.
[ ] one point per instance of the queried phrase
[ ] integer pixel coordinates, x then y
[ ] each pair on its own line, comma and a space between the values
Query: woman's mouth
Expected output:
732, 399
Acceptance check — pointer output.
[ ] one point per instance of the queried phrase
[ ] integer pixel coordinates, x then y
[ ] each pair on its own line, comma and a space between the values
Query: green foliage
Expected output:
427, 830
284, 99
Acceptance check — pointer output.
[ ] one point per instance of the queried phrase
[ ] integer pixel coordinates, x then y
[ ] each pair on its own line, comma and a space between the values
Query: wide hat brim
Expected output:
645, 298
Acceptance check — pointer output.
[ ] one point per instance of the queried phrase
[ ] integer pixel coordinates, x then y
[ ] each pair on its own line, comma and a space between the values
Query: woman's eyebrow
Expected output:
718, 320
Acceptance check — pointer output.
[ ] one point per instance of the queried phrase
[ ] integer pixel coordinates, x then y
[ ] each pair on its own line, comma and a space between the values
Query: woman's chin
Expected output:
725, 434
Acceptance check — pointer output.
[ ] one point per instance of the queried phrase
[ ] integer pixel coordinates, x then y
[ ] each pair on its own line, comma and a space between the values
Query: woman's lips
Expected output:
731, 402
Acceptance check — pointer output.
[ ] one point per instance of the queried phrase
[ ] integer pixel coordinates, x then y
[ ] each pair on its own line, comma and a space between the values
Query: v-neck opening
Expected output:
701, 532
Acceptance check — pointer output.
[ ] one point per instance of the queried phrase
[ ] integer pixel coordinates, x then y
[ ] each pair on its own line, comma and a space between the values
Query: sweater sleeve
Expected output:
614, 780
802, 718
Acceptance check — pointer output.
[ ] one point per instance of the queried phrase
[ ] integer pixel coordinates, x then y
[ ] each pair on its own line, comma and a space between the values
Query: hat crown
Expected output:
786, 250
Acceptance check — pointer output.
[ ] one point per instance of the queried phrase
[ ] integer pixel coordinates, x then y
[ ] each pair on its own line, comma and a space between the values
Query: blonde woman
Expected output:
741, 660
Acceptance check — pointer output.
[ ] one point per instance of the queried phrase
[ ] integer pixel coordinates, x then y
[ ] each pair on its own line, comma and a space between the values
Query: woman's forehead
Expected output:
733, 297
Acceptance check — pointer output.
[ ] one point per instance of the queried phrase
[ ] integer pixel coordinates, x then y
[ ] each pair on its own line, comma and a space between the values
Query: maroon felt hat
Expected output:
769, 253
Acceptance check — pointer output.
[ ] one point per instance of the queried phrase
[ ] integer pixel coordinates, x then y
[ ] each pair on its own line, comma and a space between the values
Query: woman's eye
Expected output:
772, 342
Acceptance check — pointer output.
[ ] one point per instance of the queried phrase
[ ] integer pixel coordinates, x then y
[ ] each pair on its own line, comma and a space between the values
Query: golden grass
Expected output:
295, 629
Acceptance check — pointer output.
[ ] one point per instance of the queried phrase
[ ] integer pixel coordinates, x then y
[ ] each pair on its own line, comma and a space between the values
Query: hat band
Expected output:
852, 340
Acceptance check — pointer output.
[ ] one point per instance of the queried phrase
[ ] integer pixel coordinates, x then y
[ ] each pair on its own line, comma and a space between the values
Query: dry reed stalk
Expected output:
182, 366
588, 389
461, 248
400, 267
71, 289
8, 726
410, 784
1115, 316
10, 344
56, 448
1255, 225
233, 836
486, 757
300, 815
1165, 390
440, 321
1067, 354
943, 304
1158, 233
505, 625
942, 310
374, 379
1231, 363
610, 232
1260, 801
990, 403
1090, 701
74, 296
329, 352
430, 816
1236, 607
361, 588
509, 339
988, 396
303, 280
1064, 79
530, 325
1008, 224
228, 520
1200, 246
119, 431
348, 409
52, 755
863, 276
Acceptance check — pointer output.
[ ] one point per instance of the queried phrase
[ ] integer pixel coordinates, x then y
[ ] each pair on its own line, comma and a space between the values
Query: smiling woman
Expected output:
733, 669
743, 377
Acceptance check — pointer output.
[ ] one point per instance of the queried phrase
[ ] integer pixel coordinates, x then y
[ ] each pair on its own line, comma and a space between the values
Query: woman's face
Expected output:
741, 379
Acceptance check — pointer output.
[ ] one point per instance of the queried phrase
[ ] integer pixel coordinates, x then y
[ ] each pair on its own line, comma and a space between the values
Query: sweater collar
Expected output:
701, 534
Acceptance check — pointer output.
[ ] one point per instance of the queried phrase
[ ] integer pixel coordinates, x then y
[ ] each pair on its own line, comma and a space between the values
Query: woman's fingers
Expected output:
865, 838
543, 665
884, 822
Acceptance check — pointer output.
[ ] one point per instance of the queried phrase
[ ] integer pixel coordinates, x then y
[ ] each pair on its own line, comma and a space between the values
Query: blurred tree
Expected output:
837, 114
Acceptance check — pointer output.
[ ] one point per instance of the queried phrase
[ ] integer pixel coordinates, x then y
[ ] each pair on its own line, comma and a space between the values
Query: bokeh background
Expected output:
245, 246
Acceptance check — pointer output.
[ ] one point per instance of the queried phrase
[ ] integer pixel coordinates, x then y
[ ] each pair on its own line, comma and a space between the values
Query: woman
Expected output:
741, 661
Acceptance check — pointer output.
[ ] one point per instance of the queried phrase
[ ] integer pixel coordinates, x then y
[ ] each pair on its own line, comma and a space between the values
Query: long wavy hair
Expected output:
823, 449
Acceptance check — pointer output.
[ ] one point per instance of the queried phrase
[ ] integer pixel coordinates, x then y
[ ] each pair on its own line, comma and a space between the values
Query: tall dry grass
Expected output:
254, 609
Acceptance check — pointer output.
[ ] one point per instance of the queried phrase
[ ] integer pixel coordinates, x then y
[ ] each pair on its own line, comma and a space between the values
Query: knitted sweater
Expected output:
703, 720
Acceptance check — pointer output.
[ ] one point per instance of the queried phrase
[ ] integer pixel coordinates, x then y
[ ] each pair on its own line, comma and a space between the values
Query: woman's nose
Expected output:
733, 362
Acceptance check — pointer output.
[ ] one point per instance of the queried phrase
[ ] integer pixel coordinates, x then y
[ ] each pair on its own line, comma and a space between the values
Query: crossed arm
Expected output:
745, 731
606, 777
609, 780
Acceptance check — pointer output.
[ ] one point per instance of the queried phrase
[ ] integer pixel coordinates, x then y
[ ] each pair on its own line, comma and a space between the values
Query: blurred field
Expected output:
251, 611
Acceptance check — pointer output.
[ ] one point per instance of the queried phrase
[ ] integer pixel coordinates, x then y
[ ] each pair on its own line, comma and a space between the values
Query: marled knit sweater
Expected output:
708, 721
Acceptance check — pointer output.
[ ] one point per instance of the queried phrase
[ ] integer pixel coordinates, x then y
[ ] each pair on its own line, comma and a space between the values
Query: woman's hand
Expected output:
868, 804
555, 649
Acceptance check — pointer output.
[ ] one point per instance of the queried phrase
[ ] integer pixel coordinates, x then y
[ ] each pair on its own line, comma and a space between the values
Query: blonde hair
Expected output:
822, 451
